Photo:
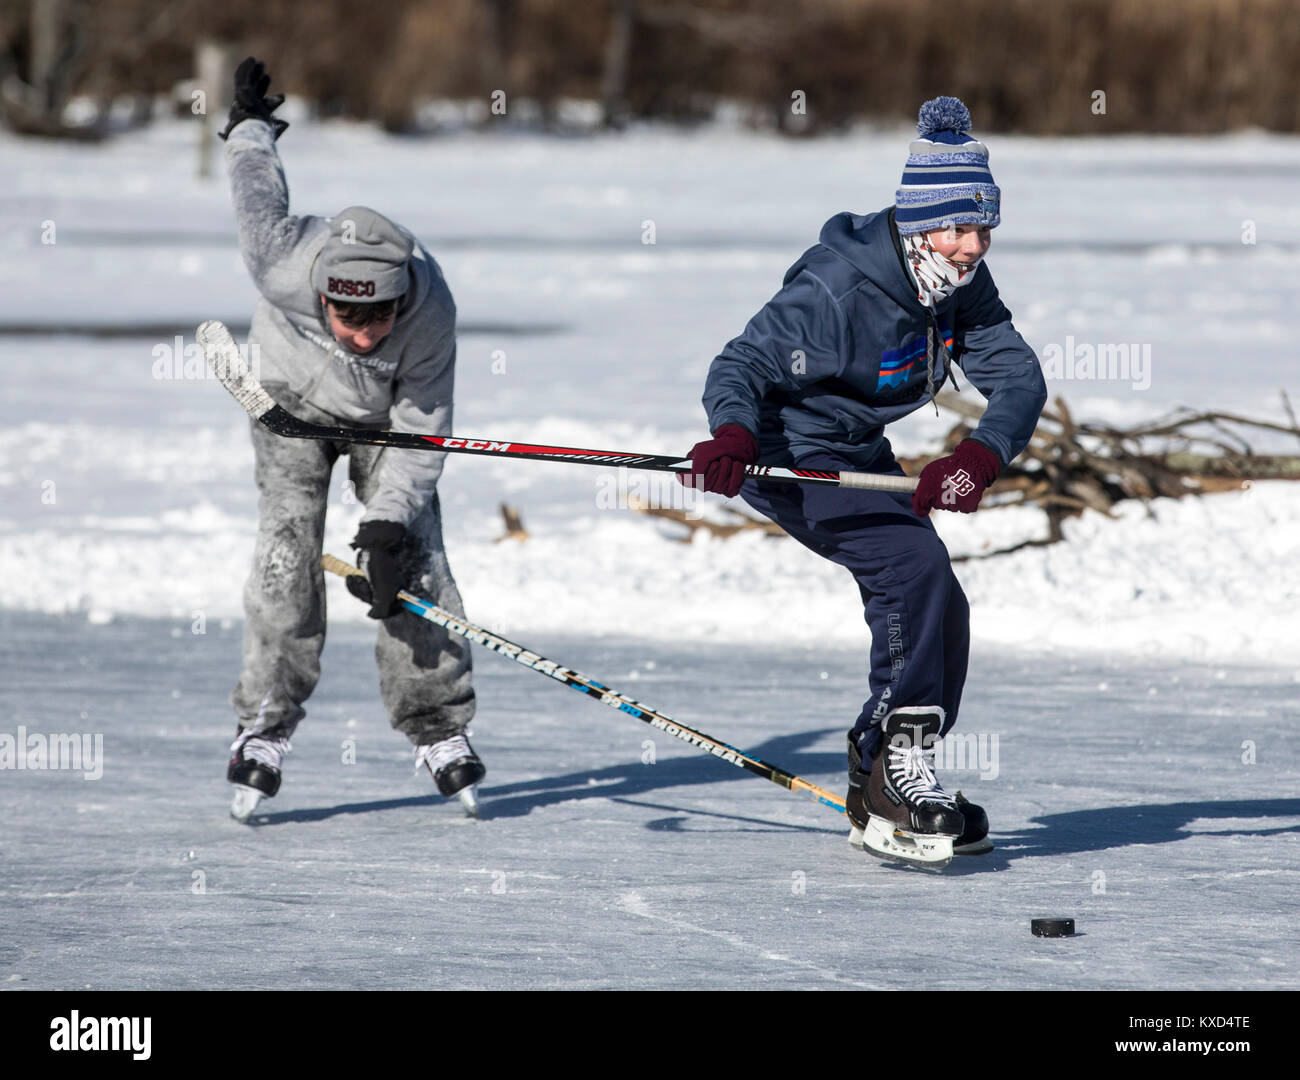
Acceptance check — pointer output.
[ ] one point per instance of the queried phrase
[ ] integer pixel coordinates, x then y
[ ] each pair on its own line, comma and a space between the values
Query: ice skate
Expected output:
899, 811
455, 768
254, 768
974, 839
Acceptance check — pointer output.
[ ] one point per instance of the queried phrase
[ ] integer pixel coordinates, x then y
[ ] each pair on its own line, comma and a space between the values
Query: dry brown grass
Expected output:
1021, 65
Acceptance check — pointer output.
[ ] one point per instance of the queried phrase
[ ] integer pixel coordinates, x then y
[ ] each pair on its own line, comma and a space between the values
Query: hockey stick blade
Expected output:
228, 365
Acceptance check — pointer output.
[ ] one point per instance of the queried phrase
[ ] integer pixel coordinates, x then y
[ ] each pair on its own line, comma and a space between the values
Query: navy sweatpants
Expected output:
917, 612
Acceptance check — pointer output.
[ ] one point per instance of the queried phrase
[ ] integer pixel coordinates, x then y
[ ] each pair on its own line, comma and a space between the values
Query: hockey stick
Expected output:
606, 695
228, 365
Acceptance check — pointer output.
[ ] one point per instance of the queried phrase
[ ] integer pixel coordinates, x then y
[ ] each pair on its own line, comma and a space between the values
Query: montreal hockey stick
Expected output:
604, 694
224, 358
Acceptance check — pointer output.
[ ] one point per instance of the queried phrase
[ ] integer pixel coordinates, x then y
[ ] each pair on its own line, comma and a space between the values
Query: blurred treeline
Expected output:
1181, 66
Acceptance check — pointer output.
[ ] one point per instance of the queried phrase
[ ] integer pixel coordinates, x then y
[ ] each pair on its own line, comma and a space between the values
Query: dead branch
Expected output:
514, 523
722, 530
1070, 466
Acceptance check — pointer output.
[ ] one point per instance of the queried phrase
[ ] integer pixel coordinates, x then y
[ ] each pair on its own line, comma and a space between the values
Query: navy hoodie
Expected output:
845, 348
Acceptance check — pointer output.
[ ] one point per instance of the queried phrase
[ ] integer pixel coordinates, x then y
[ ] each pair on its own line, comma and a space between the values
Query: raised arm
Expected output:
272, 241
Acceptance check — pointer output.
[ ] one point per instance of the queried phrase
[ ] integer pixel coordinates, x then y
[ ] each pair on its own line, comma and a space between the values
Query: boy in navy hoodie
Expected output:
865, 329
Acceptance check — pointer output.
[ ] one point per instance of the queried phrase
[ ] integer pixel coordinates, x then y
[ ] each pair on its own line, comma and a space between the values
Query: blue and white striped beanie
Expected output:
946, 180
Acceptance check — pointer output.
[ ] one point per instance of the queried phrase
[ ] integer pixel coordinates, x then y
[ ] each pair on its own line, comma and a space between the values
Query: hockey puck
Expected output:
1052, 927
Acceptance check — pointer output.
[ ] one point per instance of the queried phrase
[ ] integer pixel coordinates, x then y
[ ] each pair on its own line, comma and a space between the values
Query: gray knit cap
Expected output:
365, 259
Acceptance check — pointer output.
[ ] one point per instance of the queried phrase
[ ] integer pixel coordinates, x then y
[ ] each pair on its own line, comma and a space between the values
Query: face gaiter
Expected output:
934, 276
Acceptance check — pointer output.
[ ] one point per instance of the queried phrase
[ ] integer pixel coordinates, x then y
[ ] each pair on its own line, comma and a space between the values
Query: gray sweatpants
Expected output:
424, 672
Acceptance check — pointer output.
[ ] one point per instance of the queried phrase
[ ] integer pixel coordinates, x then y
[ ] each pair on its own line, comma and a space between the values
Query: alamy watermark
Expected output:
1108, 361
962, 751
112, 1033
75, 752
969, 751
178, 359
626, 490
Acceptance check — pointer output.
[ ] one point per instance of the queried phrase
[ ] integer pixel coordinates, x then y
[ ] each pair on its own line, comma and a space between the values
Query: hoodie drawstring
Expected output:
933, 335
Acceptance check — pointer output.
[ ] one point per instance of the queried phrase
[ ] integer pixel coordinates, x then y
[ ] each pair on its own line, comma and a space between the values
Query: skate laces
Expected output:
265, 749
913, 769
441, 754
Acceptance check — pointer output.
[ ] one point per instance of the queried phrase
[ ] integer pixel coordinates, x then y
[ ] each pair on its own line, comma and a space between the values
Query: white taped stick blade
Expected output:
227, 364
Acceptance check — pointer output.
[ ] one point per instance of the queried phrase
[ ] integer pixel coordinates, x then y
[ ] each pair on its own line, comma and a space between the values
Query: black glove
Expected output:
378, 544
251, 102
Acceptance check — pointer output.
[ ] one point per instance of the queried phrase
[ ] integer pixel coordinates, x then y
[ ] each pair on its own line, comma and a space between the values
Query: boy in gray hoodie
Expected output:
355, 327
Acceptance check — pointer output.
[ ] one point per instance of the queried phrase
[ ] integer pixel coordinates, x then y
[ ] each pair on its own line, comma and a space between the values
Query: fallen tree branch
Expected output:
723, 530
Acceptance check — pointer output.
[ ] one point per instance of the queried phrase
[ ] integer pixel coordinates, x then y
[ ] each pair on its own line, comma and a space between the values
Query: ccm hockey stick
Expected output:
604, 694
228, 365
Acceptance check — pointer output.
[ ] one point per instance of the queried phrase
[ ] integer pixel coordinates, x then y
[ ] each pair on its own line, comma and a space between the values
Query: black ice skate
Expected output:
254, 768
974, 839
455, 768
899, 811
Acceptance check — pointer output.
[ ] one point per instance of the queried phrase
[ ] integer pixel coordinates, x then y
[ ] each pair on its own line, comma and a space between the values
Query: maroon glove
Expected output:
718, 464
957, 481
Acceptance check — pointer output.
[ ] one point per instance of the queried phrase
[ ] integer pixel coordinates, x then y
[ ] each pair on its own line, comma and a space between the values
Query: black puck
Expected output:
1052, 927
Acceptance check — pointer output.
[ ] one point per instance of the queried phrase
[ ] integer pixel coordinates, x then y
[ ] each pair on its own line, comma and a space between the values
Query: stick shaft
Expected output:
605, 694
285, 423
224, 358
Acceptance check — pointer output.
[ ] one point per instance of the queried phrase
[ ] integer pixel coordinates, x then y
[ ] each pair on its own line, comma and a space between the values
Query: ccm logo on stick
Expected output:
476, 444
352, 288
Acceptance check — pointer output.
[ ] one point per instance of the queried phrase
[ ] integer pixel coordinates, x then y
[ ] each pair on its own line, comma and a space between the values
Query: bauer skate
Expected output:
898, 810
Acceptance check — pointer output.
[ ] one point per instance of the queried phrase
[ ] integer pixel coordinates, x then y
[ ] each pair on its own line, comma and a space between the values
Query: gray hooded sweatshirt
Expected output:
405, 384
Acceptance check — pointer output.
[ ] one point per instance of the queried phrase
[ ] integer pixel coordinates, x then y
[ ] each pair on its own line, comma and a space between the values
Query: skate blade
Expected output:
244, 802
977, 847
929, 851
469, 800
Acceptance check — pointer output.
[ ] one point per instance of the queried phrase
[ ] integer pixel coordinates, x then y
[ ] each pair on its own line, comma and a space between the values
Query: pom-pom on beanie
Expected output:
946, 180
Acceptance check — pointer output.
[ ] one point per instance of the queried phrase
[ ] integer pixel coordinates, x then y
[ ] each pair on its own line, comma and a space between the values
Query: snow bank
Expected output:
1206, 578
